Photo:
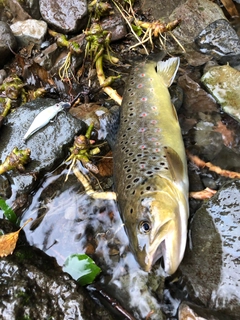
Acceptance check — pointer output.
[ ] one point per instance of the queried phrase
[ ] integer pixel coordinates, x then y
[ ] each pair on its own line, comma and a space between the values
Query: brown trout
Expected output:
150, 167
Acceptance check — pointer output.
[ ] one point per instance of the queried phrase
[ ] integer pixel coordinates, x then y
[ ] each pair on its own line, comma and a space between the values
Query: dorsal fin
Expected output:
168, 69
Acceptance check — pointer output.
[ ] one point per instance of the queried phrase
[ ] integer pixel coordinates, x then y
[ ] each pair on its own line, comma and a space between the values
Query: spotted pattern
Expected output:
139, 153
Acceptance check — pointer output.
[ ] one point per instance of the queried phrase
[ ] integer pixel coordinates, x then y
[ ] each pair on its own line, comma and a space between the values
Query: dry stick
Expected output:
202, 164
114, 303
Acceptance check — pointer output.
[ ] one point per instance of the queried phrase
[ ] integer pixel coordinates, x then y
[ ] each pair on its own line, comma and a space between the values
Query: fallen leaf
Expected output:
204, 194
228, 136
105, 165
8, 241
202, 164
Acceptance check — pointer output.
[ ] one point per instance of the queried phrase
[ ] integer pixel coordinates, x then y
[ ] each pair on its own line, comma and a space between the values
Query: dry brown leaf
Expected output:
8, 241
228, 136
201, 195
202, 164
105, 165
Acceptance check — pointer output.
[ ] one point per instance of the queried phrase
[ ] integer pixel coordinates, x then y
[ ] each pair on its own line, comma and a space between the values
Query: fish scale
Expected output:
149, 136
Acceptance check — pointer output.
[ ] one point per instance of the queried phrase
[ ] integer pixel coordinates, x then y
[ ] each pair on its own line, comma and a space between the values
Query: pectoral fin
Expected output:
175, 164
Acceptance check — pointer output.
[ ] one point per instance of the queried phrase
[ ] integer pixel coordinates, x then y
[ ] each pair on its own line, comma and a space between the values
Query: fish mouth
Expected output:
161, 246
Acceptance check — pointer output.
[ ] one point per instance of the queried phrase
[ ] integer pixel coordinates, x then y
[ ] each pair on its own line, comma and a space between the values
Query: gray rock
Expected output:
212, 261
7, 42
65, 16
48, 146
221, 41
29, 31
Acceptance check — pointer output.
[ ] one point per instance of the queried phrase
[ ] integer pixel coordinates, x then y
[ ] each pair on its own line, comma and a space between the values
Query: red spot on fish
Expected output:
153, 139
142, 75
150, 79
154, 108
144, 99
143, 146
156, 150
142, 166
153, 121
151, 89
142, 129
144, 114
157, 130
140, 85
157, 143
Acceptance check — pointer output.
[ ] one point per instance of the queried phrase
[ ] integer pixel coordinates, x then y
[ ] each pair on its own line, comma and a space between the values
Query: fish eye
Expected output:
144, 227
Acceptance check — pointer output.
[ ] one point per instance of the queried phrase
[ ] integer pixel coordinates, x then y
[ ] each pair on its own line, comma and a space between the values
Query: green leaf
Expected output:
137, 30
82, 268
8, 212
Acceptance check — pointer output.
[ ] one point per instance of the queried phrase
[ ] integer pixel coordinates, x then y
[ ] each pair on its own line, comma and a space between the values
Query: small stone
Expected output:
29, 31
65, 16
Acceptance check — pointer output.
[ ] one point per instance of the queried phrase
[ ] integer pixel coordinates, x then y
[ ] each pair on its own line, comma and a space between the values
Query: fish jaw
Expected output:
166, 237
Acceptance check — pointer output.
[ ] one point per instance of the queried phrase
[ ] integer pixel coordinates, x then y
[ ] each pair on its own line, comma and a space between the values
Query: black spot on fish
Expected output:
131, 210
136, 180
134, 160
129, 176
128, 186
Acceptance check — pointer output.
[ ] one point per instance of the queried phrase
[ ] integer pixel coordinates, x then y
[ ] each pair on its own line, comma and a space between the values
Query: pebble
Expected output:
29, 31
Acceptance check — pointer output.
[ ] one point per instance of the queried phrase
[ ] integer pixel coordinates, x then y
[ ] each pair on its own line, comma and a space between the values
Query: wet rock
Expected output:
221, 41
65, 16
223, 83
7, 43
48, 146
191, 311
29, 31
29, 277
67, 221
115, 24
195, 16
212, 261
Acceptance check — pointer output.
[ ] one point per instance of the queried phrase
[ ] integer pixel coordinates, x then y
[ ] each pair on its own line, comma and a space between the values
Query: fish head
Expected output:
158, 228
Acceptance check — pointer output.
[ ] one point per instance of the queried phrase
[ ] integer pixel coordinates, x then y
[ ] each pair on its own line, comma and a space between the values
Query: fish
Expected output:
150, 168
43, 118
